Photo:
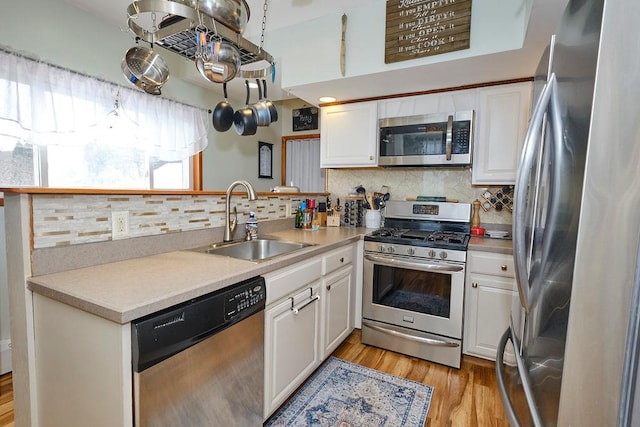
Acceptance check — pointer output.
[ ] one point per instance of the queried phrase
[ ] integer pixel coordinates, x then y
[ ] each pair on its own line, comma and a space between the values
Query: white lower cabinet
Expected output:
337, 303
309, 312
489, 290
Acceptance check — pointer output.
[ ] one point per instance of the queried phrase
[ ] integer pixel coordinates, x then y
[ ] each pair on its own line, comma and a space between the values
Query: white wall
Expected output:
5, 336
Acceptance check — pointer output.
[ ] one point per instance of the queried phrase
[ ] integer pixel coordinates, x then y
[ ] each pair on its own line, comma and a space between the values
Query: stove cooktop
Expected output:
426, 238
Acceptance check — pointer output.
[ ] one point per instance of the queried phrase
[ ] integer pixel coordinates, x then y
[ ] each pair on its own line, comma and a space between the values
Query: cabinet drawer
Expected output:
491, 263
336, 259
282, 282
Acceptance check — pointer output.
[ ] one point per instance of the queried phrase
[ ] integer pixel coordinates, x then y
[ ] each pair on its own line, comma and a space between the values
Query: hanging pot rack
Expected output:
177, 33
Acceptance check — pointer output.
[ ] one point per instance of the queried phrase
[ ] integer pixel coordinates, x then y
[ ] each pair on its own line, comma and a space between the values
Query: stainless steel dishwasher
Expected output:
201, 363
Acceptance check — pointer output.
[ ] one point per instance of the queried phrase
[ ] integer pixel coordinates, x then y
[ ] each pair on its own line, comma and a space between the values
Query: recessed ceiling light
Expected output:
324, 99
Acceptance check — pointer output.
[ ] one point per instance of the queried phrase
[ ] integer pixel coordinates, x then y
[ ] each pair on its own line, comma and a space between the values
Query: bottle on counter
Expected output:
315, 217
299, 216
251, 227
306, 216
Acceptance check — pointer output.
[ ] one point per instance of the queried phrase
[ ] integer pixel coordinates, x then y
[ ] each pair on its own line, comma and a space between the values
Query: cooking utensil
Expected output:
370, 201
263, 115
220, 63
145, 69
273, 111
244, 120
232, 13
343, 44
223, 113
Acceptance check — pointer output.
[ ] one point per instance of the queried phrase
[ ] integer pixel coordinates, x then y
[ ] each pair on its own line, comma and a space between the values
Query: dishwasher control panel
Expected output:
243, 299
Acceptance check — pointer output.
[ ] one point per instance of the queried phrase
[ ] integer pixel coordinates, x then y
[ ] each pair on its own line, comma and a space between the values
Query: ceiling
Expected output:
284, 13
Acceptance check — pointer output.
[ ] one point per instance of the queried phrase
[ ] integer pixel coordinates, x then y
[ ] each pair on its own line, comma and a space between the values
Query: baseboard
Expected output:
5, 356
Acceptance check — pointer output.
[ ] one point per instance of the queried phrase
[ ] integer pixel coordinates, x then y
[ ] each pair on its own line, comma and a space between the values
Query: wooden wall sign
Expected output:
305, 119
419, 28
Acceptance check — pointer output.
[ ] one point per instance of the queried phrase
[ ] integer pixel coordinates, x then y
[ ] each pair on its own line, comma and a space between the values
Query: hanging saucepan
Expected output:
234, 14
263, 115
145, 69
218, 63
245, 120
223, 113
272, 108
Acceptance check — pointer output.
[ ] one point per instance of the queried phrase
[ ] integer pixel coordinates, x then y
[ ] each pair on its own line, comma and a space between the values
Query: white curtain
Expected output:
44, 104
303, 165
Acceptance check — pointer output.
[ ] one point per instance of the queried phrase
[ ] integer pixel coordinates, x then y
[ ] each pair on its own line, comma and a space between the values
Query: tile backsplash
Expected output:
71, 219
453, 183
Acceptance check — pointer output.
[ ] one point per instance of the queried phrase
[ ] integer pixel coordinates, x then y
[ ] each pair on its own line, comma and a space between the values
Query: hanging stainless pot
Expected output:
273, 111
145, 69
219, 63
223, 113
245, 120
232, 13
263, 115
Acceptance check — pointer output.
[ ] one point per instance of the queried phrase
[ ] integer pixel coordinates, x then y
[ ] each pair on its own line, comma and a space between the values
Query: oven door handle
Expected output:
424, 340
394, 262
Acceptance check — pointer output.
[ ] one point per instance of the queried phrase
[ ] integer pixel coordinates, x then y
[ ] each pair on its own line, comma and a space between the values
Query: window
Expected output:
66, 130
302, 163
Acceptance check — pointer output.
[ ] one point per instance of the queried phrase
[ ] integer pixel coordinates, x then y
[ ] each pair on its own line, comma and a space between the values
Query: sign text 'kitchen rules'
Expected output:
419, 28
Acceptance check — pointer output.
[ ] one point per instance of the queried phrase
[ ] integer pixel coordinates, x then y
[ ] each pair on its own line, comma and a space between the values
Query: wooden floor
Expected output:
462, 397
6, 400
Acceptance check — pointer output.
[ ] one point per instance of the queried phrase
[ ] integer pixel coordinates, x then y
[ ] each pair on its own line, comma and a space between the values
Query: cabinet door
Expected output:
349, 135
337, 311
488, 304
502, 118
292, 350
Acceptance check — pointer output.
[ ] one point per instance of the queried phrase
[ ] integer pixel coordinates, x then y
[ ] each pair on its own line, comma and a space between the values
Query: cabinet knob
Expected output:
328, 287
503, 267
474, 284
370, 157
342, 259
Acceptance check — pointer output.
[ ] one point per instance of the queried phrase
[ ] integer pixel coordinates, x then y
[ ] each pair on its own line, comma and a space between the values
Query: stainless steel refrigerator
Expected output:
574, 324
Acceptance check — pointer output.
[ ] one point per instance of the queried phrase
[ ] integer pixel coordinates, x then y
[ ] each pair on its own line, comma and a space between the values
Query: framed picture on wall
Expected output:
265, 160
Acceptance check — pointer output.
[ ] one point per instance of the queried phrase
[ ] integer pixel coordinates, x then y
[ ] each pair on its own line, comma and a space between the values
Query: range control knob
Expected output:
380, 248
432, 253
411, 251
391, 249
443, 255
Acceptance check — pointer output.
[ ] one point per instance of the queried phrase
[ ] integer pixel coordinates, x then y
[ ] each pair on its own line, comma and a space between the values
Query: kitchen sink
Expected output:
254, 250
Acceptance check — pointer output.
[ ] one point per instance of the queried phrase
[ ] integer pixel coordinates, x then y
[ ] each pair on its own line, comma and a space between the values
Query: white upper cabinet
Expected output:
501, 123
444, 102
349, 135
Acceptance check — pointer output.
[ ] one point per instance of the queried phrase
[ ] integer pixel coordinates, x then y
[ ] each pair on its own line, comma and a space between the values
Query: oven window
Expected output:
412, 290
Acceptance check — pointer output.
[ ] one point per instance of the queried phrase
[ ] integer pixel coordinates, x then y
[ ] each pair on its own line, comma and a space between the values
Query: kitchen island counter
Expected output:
126, 290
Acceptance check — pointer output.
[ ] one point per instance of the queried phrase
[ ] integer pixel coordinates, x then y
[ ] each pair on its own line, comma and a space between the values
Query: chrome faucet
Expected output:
230, 224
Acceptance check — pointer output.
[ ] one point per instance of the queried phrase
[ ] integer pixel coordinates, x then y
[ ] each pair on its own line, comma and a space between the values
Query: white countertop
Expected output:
126, 290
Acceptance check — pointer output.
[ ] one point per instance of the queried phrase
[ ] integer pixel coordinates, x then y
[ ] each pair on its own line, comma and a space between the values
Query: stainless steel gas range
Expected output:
414, 270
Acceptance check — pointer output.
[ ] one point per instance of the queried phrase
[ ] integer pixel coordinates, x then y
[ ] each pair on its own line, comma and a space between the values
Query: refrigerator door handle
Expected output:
502, 387
524, 378
520, 194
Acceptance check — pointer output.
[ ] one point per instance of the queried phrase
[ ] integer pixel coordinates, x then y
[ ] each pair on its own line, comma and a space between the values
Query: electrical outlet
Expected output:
287, 210
119, 224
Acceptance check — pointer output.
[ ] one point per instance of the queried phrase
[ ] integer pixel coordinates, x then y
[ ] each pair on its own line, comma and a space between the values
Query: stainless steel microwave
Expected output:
442, 139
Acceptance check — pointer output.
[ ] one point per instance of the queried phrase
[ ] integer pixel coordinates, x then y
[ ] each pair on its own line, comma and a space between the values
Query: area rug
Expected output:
343, 394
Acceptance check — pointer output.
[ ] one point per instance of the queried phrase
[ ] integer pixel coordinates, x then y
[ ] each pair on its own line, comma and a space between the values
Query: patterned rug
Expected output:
343, 394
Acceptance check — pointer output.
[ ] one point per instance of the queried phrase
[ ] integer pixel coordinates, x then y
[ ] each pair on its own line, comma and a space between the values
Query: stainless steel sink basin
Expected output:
254, 250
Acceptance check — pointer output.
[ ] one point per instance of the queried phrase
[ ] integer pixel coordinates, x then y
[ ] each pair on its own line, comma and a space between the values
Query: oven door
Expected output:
424, 295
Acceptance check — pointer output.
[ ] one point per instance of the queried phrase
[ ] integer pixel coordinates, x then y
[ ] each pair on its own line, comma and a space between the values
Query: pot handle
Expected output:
246, 83
224, 90
259, 90
264, 90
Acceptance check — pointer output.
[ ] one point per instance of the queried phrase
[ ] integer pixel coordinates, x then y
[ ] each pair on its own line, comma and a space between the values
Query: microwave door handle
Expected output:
449, 141
521, 191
